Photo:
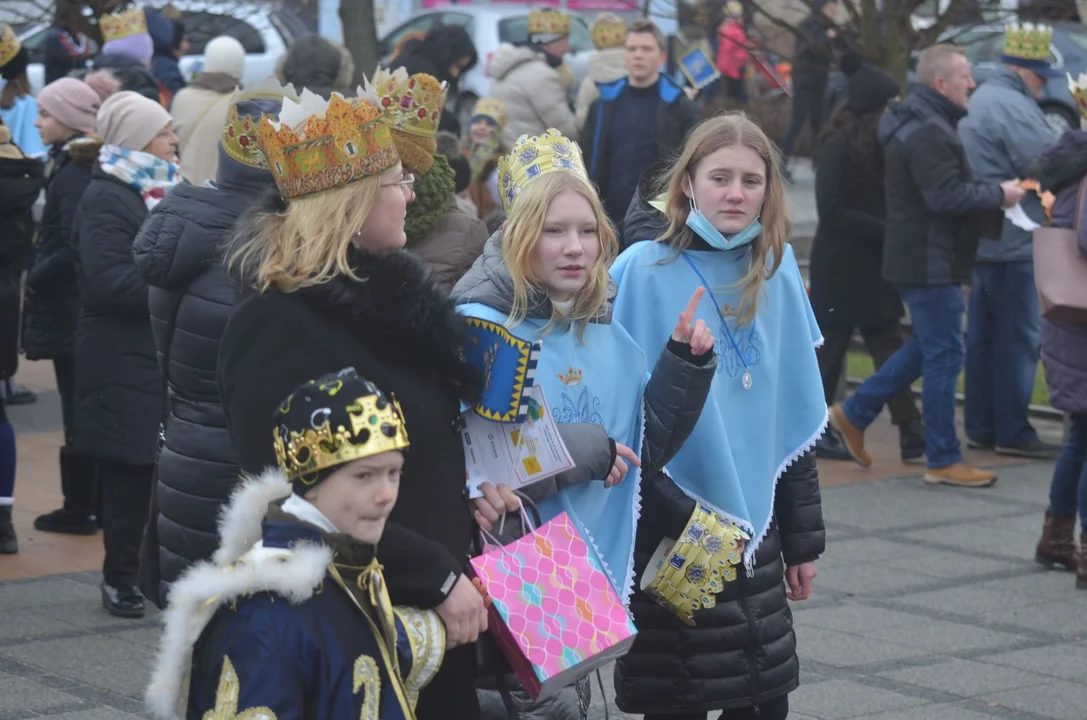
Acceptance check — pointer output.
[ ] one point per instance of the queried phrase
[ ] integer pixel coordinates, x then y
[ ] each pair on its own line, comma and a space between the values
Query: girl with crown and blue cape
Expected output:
544, 277
749, 460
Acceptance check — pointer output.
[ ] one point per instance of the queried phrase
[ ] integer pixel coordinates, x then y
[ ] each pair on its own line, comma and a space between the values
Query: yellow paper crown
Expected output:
1078, 88
9, 44
548, 21
609, 34
533, 156
241, 136
318, 145
734, 8
493, 109
412, 104
122, 23
1028, 41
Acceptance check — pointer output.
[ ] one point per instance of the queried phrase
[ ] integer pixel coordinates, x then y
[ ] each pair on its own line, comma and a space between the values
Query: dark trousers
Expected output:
776, 709
126, 496
809, 97
1068, 491
881, 343
64, 369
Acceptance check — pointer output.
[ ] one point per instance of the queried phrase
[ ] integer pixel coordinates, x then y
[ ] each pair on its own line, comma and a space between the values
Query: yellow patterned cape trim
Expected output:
121, 24
534, 156
9, 44
426, 637
699, 565
1028, 41
227, 695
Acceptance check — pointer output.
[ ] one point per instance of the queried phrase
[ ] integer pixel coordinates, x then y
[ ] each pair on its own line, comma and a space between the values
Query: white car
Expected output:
489, 26
265, 32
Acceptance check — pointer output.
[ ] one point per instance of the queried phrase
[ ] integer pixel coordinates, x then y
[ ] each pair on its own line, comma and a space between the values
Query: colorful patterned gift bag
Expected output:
555, 615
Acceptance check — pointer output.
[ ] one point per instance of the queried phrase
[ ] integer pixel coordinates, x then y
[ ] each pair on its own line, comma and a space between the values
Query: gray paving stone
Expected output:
102, 662
1060, 661
944, 564
1060, 700
28, 594
1041, 585
941, 711
1065, 618
845, 699
21, 625
938, 636
964, 678
868, 550
966, 600
96, 714
87, 613
842, 650
993, 541
873, 579
851, 617
23, 694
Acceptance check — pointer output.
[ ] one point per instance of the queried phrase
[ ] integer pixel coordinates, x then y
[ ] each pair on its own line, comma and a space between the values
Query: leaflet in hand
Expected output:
514, 454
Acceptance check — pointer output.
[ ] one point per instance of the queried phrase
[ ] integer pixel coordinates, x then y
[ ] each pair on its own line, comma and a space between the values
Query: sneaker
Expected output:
830, 447
852, 436
980, 444
960, 475
1033, 448
911, 441
66, 522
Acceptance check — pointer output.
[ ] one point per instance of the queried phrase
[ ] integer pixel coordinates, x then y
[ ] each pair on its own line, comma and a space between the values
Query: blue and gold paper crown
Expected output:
534, 156
508, 366
122, 23
1027, 41
9, 44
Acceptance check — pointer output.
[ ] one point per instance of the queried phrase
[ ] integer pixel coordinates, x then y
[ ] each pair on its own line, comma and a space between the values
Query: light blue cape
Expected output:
20, 119
744, 439
599, 380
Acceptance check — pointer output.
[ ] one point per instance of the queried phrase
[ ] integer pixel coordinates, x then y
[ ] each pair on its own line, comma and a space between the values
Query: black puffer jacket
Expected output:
741, 652
191, 297
643, 221
52, 302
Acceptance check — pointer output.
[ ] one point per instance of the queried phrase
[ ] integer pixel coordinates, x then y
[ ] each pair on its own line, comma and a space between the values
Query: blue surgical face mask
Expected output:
701, 225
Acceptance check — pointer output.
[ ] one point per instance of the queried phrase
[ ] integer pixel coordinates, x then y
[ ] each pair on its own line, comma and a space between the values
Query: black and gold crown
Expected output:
334, 420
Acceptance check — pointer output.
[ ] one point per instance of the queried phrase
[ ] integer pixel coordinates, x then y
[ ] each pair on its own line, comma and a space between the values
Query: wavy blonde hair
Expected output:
707, 138
521, 233
306, 243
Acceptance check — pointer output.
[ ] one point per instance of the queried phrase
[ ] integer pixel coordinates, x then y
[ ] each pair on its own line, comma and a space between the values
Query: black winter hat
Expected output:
869, 88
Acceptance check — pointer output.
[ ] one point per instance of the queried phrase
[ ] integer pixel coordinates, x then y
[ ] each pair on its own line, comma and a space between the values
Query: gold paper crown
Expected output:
122, 23
533, 156
379, 426
318, 145
571, 377
9, 44
734, 8
412, 104
1028, 41
1078, 88
609, 34
548, 21
491, 108
241, 139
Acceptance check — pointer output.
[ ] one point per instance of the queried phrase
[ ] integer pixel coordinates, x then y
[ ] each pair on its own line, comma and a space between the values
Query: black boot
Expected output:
122, 602
78, 479
9, 544
911, 441
830, 447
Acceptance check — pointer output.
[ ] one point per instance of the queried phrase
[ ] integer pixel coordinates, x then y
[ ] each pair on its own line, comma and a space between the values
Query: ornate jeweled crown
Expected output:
1028, 41
1078, 88
533, 156
332, 421
241, 138
548, 21
571, 377
609, 34
318, 145
492, 109
122, 23
412, 104
9, 44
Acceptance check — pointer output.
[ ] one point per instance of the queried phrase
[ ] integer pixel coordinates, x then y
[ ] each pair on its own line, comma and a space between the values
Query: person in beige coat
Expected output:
440, 233
607, 65
527, 80
200, 110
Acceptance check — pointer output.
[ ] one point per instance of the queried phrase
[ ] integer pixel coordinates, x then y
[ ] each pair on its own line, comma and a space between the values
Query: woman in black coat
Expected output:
848, 291
117, 382
446, 52
330, 286
178, 253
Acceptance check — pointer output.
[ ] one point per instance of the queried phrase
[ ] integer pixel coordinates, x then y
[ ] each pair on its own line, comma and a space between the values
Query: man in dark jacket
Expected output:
811, 69
65, 47
615, 139
170, 44
936, 212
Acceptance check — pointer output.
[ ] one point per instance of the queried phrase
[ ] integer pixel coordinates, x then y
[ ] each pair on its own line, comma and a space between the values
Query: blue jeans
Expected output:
1068, 491
935, 354
1003, 339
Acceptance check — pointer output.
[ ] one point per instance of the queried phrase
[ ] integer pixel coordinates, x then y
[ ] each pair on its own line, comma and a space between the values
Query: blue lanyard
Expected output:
721, 315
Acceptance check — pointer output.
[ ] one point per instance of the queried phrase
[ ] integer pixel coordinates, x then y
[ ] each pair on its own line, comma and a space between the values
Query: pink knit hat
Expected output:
72, 102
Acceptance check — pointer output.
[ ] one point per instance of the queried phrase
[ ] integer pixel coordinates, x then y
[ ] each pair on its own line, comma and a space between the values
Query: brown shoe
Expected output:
1081, 562
960, 475
1057, 548
852, 436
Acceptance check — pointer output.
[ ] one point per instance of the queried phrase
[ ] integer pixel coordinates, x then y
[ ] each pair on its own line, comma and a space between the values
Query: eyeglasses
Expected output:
406, 184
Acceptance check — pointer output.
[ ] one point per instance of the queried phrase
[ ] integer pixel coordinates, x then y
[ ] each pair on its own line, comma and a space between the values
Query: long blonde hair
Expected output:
709, 137
522, 232
304, 244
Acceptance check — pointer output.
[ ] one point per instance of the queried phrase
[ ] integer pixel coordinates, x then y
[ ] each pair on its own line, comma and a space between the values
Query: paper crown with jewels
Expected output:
318, 145
122, 23
241, 136
492, 109
1027, 42
534, 156
547, 24
334, 420
411, 104
609, 33
1078, 88
9, 44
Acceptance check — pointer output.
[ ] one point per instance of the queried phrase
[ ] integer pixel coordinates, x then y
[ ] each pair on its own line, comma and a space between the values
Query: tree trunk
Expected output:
360, 35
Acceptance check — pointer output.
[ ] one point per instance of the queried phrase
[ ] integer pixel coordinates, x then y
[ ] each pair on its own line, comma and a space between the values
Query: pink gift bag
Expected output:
555, 615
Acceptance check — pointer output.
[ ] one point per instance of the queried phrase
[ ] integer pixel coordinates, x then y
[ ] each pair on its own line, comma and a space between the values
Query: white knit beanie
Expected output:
225, 55
131, 121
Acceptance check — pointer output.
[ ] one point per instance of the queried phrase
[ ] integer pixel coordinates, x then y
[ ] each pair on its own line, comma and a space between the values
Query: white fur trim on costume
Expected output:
240, 519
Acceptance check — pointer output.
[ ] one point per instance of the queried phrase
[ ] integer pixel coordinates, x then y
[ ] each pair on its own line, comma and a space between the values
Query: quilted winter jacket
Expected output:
534, 93
451, 246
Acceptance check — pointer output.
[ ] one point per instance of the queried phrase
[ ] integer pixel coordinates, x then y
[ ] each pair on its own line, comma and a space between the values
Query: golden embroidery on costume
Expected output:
368, 679
227, 695
426, 638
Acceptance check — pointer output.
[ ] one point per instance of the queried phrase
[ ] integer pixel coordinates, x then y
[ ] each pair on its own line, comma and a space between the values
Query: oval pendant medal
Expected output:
747, 380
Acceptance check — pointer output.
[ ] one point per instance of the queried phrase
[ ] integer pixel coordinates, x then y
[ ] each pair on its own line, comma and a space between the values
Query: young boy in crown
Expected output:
290, 618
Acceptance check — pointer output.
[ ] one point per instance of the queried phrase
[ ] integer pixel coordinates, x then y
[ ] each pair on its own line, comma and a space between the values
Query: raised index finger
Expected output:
692, 304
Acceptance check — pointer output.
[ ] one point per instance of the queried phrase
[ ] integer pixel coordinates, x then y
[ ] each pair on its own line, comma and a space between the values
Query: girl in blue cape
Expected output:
544, 276
748, 460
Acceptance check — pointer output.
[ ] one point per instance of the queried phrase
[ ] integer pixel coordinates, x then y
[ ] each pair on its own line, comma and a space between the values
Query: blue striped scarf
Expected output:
152, 176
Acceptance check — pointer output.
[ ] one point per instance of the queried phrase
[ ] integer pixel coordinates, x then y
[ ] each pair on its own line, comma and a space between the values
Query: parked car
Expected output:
489, 26
264, 31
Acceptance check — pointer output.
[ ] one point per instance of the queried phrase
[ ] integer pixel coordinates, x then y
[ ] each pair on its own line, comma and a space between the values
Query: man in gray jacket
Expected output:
1003, 133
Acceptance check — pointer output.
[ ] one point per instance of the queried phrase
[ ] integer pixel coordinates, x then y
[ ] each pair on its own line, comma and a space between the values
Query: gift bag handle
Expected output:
522, 501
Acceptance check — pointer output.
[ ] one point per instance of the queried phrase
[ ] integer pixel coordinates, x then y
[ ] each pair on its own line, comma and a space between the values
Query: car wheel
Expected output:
466, 102
1060, 119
